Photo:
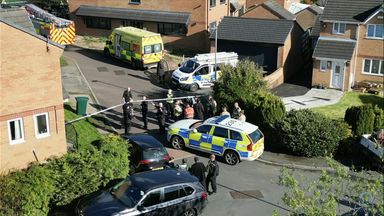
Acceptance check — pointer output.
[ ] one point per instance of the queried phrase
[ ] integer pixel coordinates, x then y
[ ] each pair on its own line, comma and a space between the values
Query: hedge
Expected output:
361, 119
305, 133
58, 182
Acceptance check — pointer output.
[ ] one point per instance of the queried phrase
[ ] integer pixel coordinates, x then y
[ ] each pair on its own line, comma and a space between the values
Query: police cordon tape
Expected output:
134, 101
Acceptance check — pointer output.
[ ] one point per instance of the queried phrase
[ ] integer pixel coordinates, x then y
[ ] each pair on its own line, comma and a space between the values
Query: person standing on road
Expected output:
127, 116
188, 112
213, 172
144, 112
161, 117
177, 111
160, 70
127, 94
169, 104
198, 169
236, 111
184, 164
199, 109
212, 107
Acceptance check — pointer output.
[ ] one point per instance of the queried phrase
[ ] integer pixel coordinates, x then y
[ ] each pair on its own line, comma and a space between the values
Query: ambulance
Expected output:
199, 72
139, 47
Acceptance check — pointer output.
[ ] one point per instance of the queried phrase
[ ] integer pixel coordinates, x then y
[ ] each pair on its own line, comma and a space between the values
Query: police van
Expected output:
199, 72
221, 135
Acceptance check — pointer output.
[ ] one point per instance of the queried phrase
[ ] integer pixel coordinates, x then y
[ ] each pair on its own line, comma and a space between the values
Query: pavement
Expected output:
313, 98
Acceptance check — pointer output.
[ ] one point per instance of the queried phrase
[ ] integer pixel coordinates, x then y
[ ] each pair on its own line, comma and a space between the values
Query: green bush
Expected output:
310, 134
265, 109
379, 118
238, 84
32, 191
361, 119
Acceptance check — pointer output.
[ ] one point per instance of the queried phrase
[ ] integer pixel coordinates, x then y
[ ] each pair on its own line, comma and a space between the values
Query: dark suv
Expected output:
147, 153
168, 192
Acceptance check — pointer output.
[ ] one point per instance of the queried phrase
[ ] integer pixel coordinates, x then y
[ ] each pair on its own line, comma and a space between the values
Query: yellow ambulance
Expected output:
139, 47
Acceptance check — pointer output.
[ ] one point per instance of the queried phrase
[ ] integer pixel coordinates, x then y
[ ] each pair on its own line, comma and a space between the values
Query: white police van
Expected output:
199, 72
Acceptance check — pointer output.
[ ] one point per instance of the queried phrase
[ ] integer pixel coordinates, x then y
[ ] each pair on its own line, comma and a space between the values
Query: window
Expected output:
375, 31
205, 129
373, 66
255, 136
134, 1
212, 3
338, 28
220, 132
203, 70
16, 131
156, 48
152, 199
323, 65
98, 22
171, 28
41, 125
189, 190
235, 135
133, 23
125, 46
172, 193
222, 1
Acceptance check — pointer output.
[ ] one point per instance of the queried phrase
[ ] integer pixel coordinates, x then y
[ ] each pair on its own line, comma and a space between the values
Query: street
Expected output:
248, 188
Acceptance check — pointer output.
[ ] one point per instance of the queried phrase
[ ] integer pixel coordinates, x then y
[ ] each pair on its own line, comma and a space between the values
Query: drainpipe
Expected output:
357, 50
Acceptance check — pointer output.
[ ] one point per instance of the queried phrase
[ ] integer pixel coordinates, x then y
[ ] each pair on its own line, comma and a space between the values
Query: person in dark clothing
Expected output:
144, 111
127, 116
170, 164
212, 107
198, 169
212, 173
199, 109
127, 95
161, 117
160, 70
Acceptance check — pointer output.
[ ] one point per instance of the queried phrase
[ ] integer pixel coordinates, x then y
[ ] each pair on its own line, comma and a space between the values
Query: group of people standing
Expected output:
199, 170
174, 110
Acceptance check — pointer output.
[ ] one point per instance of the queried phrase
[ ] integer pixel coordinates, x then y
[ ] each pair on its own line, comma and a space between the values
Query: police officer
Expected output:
160, 70
177, 111
198, 169
199, 109
161, 117
144, 111
169, 104
212, 173
127, 94
127, 116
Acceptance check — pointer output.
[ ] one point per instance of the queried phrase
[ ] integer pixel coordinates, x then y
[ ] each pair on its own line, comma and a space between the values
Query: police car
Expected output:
220, 135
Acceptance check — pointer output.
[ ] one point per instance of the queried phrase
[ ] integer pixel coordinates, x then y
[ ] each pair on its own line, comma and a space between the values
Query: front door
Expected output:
117, 45
337, 75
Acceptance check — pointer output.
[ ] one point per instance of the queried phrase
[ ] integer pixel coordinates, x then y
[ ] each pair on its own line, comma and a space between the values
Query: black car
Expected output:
147, 153
168, 192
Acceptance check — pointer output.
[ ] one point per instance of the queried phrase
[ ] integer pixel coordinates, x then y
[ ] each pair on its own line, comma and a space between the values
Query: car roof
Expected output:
227, 122
160, 178
145, 141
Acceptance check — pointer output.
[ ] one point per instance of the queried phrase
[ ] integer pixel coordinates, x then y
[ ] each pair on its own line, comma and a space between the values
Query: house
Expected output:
31, 100
350, 45
183, 24
286, 4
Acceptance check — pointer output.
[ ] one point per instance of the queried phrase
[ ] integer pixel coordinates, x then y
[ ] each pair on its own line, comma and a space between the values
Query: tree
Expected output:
56, 7
324, 195
361, 119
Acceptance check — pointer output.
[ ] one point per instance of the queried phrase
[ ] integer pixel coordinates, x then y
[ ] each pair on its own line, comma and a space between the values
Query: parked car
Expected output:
147, 153
168, 192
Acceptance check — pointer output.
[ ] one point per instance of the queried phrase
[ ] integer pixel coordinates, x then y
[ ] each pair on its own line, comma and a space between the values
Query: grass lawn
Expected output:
349, 99
86, 131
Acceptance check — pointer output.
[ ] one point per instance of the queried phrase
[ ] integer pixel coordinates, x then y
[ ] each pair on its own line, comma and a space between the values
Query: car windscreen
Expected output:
195, 125
127, 193
154, 153
189, 66
255, 135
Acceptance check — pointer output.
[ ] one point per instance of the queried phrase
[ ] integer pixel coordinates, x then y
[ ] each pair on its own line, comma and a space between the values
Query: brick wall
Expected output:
30, 83
260, 12
350, 31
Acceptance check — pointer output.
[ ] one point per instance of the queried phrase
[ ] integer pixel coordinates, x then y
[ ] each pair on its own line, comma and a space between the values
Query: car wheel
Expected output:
231, 157
177, 142
194, 87
189, 212
106, 52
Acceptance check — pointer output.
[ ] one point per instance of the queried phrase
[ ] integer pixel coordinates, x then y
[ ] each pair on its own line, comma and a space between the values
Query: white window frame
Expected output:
338, 28
381, 61
46, 134
16, 141
374, 32
323, 63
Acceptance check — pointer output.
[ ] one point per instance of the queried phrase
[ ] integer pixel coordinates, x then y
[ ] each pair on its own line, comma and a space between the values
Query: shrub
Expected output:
379, 118
32, 191
310, 134
240, 83
361, 119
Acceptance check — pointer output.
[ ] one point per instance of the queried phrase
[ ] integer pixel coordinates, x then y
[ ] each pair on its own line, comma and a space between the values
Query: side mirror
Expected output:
179, 65
194, 130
